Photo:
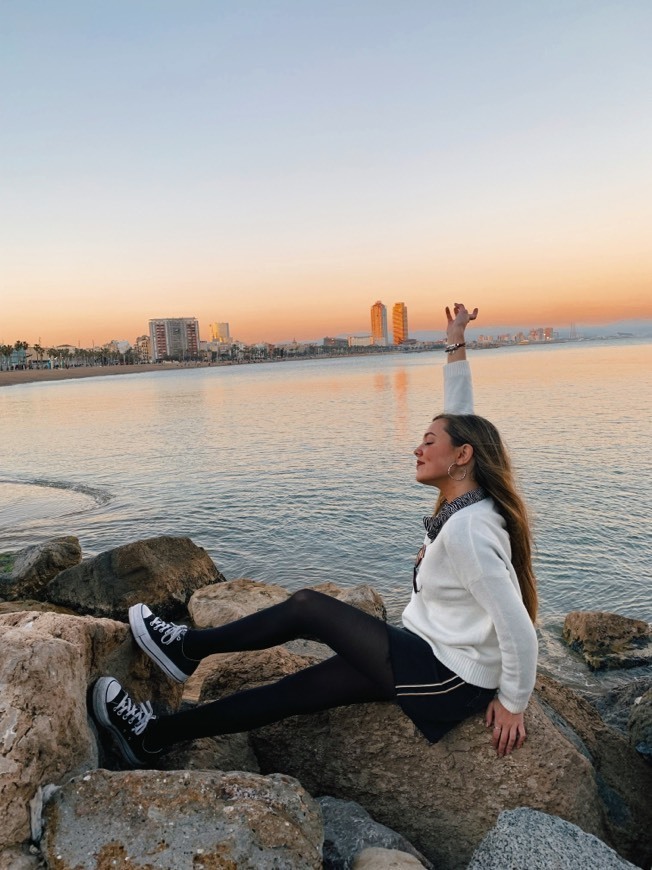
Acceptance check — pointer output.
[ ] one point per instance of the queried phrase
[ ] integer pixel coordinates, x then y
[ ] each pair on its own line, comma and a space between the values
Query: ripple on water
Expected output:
22, 502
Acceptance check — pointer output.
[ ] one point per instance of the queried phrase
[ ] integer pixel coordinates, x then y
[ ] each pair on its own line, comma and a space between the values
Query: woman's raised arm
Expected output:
458, 388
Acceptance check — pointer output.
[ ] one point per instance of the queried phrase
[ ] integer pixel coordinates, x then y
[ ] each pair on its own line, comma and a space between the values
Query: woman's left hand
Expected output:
508, 728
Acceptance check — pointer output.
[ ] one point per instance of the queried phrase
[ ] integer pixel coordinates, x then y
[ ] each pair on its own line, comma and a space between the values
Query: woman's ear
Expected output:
465, 455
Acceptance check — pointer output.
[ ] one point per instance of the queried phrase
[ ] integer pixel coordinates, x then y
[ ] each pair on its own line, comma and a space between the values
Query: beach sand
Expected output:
27, 376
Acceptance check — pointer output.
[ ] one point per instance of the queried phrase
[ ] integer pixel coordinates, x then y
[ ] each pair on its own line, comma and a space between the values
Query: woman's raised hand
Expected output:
457, 322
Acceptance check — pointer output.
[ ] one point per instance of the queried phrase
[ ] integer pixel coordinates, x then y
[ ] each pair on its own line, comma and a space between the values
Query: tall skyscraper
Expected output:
220, 332
174, 337
379, 324
399, 323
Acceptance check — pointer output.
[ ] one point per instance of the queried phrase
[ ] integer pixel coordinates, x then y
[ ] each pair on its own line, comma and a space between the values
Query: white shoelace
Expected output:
169, 631
137, 715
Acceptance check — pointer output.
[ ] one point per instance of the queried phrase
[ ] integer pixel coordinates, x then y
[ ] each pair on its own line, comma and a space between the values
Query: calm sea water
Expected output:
296, 473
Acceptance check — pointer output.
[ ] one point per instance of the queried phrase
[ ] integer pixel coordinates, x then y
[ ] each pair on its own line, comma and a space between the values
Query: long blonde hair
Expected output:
493, 472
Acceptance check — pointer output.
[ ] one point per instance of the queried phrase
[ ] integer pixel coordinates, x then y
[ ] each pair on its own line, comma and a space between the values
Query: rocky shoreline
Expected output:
353, 787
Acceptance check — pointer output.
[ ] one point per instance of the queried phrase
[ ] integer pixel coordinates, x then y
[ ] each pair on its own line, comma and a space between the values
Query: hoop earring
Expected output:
454, 465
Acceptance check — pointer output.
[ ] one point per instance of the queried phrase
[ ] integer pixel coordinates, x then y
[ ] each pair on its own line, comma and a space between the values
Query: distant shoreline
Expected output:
28, 376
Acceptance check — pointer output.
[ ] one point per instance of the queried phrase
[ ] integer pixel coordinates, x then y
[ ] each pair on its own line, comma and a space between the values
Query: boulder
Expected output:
29, 604
362, 596
376, 858
640, 726
28, 571
526, 838
226, 602
607, 640
442, 798
225, 752
615, 705
46, 665
350, 832
163, 572
236, 671
623, 778
16, 858
184, 819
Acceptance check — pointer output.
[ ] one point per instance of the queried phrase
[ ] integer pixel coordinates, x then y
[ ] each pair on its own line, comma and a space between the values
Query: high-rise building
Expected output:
174, 338
399, 322
379, 324
220, 332
143, 348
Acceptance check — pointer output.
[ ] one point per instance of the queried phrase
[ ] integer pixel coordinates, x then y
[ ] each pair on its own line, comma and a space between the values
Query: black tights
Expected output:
360, 671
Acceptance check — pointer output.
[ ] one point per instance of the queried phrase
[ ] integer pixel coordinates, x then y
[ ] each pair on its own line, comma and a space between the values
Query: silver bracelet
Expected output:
451, 348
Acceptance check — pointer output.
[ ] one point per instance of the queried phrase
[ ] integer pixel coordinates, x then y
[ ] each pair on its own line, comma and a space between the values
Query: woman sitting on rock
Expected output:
467, 643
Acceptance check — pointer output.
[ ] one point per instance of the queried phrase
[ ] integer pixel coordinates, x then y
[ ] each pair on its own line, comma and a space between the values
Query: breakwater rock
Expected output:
249, 799
608, 640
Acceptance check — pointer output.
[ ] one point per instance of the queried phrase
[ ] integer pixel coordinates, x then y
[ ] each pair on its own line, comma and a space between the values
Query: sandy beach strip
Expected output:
28, 376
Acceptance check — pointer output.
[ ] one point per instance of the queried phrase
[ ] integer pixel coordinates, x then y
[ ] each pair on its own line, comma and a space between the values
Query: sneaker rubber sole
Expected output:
145, 642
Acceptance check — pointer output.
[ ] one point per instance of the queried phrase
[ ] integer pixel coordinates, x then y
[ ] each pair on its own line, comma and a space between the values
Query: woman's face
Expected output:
435, 454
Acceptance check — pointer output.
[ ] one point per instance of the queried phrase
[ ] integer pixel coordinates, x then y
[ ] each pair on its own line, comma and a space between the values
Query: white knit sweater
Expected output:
469, 606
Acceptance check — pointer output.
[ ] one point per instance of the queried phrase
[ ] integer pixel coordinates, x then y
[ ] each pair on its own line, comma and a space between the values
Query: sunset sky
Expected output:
281, 165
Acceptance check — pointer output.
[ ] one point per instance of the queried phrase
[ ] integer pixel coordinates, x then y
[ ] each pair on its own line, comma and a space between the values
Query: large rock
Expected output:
224, 752
527, 838
615, 705
377, 858
32, 568
640, 725
163, 572
16, 858
443, 798
46, 665
349, 830
183, 820
226, 602
236, 671
624, 780
607, 640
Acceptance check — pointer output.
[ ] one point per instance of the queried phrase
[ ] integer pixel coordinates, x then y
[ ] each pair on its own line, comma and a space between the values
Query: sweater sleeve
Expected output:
492, 585
458, 388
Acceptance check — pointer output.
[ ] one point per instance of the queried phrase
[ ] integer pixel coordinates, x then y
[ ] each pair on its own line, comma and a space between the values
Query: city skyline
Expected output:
282, 166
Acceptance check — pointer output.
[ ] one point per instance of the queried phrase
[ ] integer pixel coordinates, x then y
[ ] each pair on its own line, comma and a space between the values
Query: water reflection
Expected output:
303, 472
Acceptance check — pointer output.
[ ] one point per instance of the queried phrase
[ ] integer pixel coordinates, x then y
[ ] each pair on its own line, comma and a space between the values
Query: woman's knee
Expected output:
305, 599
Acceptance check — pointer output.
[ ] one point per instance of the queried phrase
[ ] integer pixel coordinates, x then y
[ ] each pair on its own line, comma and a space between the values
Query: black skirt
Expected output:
434, 697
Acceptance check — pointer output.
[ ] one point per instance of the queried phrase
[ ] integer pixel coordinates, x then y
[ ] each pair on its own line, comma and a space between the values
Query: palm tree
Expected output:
18, 346
5, 351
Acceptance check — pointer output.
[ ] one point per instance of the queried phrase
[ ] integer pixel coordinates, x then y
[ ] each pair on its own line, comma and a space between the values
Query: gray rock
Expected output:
624, 780
164, 572
525, 838
608, 640
615, 706
640, 725
31, 569
184, 820
349, 829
